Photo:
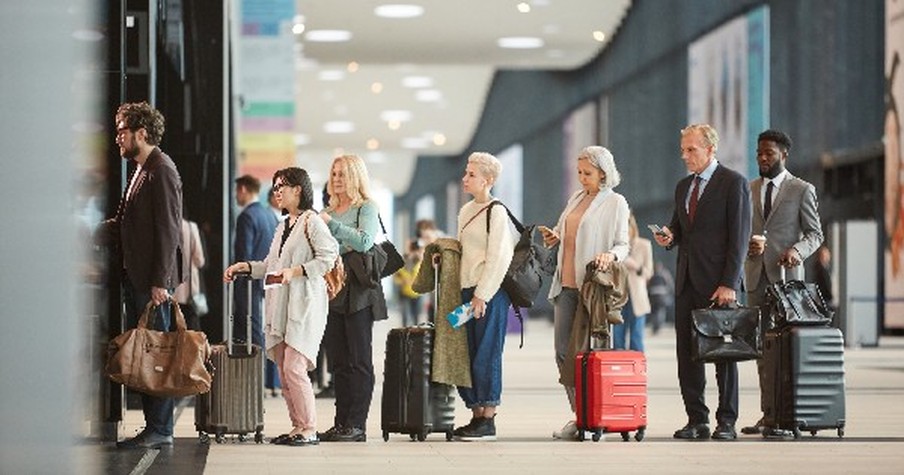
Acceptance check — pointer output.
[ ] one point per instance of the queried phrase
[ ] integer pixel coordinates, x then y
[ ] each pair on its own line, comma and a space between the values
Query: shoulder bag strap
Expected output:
512, 218
476, 215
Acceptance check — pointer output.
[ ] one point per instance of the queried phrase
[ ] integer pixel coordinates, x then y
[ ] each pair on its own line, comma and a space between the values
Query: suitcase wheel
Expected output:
597, 435
840, 432
413, 437
638, 436
422, 436
449, 436
796, 433
581, 435
220, 438
243, 437
203, 438
385, 436
258, 437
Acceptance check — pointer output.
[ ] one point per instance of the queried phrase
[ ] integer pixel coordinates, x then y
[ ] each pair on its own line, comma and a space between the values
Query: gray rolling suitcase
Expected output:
806, 389
235, 403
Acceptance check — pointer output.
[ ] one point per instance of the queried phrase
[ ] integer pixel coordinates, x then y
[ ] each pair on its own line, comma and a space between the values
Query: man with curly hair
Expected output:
146, 233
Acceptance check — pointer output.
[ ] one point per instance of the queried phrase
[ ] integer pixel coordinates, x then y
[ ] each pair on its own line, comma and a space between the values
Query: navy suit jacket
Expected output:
254, 232
712, 249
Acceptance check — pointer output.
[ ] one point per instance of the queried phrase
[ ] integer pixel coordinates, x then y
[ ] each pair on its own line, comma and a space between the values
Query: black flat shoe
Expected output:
300, 440
725, 432
281, 439
692, 432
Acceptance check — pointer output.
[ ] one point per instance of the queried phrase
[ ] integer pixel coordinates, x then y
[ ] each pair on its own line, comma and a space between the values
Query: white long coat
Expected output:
296, 311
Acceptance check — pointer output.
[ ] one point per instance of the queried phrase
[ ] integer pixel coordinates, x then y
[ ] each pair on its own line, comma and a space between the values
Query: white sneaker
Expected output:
568, 432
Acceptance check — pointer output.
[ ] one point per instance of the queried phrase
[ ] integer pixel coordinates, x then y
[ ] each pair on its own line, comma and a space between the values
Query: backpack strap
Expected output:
512, 218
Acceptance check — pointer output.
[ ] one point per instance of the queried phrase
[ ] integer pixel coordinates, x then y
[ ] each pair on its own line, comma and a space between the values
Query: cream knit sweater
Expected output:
485, 258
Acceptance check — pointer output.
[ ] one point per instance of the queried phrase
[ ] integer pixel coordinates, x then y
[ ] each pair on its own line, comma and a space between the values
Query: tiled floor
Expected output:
534, 406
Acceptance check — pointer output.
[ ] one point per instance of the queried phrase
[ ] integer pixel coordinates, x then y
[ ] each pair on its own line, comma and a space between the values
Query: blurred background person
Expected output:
352, 218
254, 230
302, 251
427, 233
593, 228
629, 335
409, 300
185, 292
661, 290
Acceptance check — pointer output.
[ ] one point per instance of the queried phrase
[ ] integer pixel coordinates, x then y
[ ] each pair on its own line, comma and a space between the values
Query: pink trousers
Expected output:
296, 386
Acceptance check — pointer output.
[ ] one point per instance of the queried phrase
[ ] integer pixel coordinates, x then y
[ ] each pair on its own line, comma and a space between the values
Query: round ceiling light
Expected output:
399, 11
520, 42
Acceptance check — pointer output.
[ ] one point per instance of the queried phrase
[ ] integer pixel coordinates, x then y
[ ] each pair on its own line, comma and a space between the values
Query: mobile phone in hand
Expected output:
273, 279
656, 229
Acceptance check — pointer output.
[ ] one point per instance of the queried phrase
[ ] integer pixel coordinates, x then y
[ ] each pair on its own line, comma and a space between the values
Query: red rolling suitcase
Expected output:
611, 393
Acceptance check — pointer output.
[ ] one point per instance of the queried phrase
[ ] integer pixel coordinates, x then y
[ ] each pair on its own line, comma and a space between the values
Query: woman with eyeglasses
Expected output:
302, 251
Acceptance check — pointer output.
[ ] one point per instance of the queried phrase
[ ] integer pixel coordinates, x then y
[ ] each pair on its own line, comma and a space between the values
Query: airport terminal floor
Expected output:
534, 406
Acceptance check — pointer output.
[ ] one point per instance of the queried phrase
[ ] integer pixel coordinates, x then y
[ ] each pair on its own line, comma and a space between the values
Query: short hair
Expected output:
422, 225
249, 183
709, 134
601, 158
140, 115
294, 176
488, 165
777, 136
357, 181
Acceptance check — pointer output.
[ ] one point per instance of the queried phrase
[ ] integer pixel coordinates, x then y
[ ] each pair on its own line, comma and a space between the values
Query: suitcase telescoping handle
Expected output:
229, 320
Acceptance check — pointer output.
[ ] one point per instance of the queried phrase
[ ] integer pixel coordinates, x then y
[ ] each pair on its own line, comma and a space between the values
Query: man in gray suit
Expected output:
786, 227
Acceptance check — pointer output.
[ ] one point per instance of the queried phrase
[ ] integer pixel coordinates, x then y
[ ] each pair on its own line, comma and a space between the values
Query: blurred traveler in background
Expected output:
629, 335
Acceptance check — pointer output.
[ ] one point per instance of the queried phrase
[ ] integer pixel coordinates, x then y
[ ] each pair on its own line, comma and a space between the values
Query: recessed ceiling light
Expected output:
352, 67
415, 82
393, 125
414, 143
298, 28
520, 42
395, 115
439, 139
339, 127
428, 95
399, 11
376, 87
373, 144
524, 7
599, 36
328, 36
331, 75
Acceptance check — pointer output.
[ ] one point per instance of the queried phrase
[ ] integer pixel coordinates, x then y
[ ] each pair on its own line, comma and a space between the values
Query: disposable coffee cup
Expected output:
759, 239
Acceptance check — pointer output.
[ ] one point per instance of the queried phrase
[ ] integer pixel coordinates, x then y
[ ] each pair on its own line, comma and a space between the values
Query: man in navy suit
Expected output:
253, 234
147, 235
711, 226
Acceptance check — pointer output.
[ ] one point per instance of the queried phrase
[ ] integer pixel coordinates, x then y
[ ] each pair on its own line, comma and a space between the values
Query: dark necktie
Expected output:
767, 205
695, 195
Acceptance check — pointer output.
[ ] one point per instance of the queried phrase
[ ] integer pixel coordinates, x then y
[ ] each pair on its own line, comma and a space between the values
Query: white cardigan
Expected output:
296, 311
603, 228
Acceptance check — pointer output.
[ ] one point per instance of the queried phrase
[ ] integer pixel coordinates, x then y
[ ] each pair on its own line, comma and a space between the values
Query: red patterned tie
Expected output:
695, 194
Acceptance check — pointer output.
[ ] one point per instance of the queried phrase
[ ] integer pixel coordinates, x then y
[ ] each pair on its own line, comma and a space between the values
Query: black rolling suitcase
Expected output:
412, 404
806, 389
235, 403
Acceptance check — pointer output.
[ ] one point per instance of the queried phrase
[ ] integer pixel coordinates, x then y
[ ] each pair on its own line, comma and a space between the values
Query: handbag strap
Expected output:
512, 218
307, 234
478, 214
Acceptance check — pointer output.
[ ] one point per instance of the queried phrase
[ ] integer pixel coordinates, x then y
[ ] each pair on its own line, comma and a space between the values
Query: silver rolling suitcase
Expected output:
235, 403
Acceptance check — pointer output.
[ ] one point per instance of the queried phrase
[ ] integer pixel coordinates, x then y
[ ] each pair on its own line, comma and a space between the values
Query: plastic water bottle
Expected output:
460, 315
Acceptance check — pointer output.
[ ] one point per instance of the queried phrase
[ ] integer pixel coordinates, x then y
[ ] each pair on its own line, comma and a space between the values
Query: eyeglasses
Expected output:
279, 186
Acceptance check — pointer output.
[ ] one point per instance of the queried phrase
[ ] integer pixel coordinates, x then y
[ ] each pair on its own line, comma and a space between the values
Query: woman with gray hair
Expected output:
592, 228
486, 252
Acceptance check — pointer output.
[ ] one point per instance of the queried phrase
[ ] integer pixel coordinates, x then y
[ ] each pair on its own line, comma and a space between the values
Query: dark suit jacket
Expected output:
147, 228
254, 232
711, 251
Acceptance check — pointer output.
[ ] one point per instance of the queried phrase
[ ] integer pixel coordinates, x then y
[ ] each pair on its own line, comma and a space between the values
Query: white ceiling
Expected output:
453, 44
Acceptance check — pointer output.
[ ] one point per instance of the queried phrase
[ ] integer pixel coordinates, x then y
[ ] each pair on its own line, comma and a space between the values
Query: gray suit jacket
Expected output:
793, 222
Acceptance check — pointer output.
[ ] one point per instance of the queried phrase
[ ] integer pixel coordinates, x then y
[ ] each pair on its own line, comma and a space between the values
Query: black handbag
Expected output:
726, 334
529, 263
394, 260
796, 303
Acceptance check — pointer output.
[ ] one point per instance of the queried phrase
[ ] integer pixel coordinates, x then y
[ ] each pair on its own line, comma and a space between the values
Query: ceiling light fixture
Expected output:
298, 28
414, 143
428, 95
394, 124
439, 139
338, 127
416, 82
599, 36
373, 144
520, 42
524, 7
376, 87
328, 36
353, 67
395, 115
331, 75
398, 11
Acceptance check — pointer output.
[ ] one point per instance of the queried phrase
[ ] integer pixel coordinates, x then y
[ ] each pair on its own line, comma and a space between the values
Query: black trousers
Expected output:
350, 351
692, 374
